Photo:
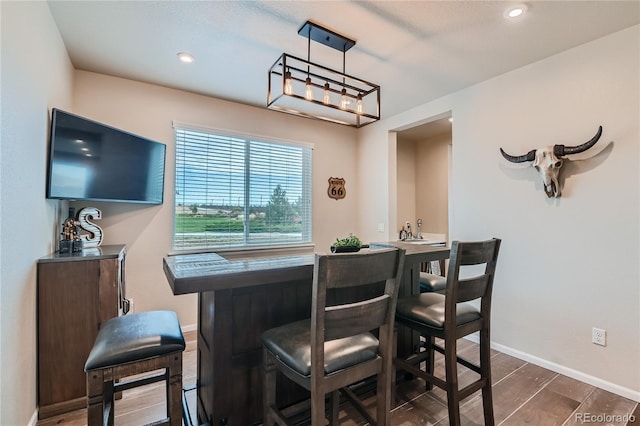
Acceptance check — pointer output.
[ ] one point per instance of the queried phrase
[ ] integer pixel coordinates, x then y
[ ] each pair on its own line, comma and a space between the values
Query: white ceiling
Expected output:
416, 51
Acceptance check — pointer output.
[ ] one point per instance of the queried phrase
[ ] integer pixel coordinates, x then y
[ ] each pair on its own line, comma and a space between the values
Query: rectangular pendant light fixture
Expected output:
303, 88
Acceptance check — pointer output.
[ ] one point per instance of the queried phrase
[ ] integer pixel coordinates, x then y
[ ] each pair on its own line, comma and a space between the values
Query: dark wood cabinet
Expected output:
76, 293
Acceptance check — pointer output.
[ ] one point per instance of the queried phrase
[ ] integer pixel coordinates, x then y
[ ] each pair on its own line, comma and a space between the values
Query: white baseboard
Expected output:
569, 372
190, 327
34, 419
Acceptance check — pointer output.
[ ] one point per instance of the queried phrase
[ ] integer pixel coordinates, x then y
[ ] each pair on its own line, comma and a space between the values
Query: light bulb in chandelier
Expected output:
288, 85
344, 102
326, 99
308, 90
359, 106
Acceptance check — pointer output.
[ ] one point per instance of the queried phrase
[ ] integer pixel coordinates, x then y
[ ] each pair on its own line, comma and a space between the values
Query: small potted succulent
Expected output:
345, 245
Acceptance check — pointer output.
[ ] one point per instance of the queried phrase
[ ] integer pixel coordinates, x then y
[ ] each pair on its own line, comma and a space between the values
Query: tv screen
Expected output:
92, 161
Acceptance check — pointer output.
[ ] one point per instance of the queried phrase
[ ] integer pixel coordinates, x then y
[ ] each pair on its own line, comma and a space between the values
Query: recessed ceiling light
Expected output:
185, 57
516, 11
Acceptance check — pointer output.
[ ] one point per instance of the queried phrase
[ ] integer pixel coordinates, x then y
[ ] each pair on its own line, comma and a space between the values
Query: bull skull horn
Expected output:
529, 156
548, 161
561, 150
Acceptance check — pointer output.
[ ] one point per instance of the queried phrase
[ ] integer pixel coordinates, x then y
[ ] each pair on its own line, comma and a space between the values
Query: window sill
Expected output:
249, 252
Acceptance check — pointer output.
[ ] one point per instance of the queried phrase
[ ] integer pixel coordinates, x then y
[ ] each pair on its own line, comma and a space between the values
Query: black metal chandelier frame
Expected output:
359, 100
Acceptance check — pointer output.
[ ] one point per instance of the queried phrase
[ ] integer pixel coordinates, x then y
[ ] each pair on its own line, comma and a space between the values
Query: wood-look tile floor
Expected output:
523, 394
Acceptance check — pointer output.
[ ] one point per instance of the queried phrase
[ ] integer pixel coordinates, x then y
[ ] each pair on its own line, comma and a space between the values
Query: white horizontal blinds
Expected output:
278, 197
234, 192
209, 190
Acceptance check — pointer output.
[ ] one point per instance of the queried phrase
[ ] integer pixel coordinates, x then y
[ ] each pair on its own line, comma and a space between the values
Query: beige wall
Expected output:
567, 264
423, 183
149, 111
36, 75
432, 183
406, 185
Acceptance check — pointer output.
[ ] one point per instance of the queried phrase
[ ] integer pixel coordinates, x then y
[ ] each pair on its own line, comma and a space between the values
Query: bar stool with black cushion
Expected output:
431, 277
432, 283
336, 347
450, 317
132, 345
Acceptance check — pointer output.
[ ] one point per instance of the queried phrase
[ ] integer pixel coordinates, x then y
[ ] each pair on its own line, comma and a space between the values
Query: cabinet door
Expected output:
108, 293
74, 299
68, 320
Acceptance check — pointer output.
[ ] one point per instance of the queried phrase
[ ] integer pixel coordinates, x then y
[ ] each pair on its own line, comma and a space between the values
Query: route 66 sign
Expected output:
336, 189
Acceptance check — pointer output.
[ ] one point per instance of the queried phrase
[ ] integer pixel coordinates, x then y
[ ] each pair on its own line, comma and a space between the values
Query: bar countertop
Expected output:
194, 273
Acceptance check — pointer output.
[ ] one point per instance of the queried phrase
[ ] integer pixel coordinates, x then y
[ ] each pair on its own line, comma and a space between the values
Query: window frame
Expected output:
246, 245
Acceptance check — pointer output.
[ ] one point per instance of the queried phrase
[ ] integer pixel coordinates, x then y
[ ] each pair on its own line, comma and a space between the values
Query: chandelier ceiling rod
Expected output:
326, 36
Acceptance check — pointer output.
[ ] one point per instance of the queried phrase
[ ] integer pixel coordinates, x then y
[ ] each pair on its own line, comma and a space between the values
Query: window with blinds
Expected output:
238, 192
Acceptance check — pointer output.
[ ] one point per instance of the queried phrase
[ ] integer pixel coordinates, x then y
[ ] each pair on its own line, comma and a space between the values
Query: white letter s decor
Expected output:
94, 238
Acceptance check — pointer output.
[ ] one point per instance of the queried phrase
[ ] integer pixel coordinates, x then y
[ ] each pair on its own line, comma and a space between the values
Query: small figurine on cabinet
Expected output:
70, 242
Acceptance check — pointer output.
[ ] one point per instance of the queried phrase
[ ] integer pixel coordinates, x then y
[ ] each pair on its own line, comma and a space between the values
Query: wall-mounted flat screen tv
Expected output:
93, 161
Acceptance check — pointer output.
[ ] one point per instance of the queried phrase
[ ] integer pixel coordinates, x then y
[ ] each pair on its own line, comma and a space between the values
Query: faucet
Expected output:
407, 225
419, 233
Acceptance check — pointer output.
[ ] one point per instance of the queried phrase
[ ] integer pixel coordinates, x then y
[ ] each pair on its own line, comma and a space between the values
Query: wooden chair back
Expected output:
348, 270
353, 294
476, 285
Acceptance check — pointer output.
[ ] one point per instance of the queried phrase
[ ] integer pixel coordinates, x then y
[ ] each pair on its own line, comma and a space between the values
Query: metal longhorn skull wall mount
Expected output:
548, 161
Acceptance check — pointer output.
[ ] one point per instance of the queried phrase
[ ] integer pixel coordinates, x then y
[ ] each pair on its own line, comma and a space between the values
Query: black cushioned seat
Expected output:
128, 352
431, 282
134, 337
292, 344
427, 309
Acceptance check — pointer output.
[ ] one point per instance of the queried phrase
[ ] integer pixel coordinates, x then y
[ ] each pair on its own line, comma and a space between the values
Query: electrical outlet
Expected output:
599, 336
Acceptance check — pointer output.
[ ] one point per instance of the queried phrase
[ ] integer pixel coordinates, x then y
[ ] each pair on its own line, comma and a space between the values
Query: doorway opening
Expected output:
423, 164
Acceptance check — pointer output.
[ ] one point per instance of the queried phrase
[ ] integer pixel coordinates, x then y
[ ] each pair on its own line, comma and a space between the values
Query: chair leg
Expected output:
485, 372
174, 389
109, 402
451, 367
317, 407
394, 372
383, 394
430, 361
334, 408
95, 397
269, 389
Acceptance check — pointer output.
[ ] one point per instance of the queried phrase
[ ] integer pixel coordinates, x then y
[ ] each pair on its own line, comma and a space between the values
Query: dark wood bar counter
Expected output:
239, 299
